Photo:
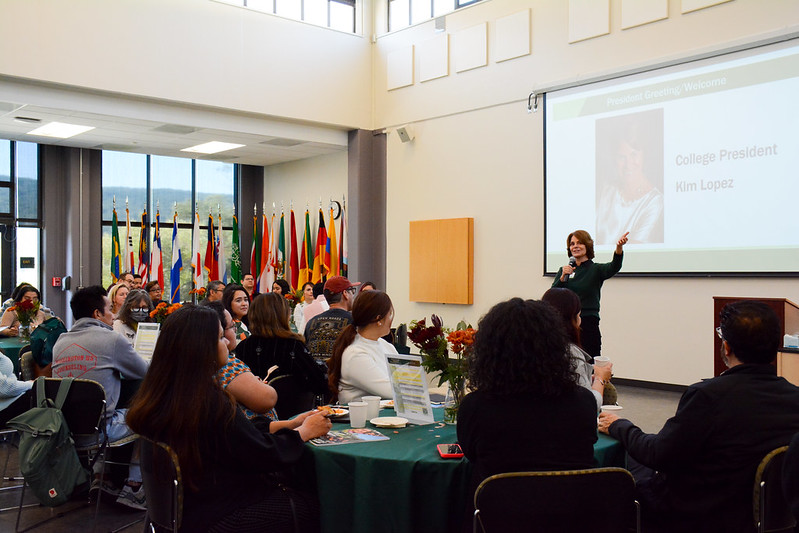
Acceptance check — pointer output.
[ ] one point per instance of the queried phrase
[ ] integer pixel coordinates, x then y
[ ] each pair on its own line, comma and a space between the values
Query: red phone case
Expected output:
444, 451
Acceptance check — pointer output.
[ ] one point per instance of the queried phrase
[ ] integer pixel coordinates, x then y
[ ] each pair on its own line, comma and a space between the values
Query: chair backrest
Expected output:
84, 407
163, 484
293, 396
771, 510
27, 369
598, 500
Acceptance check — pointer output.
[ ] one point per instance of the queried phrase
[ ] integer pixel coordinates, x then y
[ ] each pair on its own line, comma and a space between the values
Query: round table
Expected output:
11, 346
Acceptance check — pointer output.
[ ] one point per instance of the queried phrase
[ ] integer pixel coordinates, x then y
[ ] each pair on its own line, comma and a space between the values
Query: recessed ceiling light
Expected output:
212, 147
60, 130
27, 120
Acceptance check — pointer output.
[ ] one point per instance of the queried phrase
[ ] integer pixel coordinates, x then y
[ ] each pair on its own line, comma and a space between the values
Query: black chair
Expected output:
293, 396
27, 366
84, 411
771, 510
600, 500
163, 484
790, 476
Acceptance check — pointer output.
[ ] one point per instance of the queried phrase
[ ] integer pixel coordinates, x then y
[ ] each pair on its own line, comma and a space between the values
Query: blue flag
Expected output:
177, 264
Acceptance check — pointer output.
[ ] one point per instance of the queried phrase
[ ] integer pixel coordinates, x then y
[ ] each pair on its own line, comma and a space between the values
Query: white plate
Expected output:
337, 412
612, 407
389, 421
386, 404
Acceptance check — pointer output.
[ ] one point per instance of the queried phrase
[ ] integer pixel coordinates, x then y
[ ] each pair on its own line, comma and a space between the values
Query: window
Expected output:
335, 14
166, 185
404, 13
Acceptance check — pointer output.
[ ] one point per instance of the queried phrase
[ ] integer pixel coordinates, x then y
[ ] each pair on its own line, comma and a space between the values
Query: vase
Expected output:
25, 332
452, 402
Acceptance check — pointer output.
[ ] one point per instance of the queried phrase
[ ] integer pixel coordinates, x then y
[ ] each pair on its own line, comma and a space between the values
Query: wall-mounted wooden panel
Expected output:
442, 261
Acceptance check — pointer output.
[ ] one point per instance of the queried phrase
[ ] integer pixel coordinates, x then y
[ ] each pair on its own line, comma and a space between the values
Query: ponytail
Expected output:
334, 363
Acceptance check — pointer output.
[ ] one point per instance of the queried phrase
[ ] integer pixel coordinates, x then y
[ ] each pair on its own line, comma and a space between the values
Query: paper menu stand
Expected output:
146, 336
409, 386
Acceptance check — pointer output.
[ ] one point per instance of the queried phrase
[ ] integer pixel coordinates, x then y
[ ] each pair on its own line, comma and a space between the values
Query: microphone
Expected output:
573, 264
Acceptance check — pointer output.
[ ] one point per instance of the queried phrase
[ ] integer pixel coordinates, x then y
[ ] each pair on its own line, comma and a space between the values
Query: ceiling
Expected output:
161, 128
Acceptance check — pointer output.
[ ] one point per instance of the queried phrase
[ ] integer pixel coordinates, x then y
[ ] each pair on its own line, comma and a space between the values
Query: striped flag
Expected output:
235, 256
196, 254
306, 255
319, 250
115, 255
293, 260
144, 243
255, 255
220, 254
342, 254
331, 253
130, 258
211, 261
272, 264
280, 270
263, 284
156, 257
177, 263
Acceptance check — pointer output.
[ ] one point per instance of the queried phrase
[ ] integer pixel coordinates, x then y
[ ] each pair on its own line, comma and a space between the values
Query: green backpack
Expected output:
43, 339
47, 457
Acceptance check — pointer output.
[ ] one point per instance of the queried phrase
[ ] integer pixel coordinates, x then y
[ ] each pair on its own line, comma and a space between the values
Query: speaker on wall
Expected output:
405, 133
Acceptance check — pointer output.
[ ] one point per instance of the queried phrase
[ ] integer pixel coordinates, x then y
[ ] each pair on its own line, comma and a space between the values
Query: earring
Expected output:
379, 323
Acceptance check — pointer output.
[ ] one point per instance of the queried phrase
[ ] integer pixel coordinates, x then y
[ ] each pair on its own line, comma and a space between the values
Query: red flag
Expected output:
319, 269
254, 259
211, 265
293, 265
263, 285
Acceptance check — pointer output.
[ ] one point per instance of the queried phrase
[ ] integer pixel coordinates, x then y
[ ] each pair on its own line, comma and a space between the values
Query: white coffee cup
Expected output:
358, 412
372, 406
601, 361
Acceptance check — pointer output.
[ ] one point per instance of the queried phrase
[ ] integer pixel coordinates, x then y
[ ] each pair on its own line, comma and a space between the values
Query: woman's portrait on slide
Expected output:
629, 177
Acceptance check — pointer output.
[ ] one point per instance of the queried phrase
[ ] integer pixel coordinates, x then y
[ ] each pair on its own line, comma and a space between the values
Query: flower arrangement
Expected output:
162, 311
26, 312
199, 292
434, 343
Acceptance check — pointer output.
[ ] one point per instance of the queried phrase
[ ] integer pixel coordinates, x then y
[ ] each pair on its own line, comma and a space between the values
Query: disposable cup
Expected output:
601, 361
372, 406
358, 412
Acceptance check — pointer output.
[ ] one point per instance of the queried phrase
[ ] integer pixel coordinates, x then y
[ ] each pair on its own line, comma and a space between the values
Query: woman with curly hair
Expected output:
136, 308
526, 411
225, 460
567, 304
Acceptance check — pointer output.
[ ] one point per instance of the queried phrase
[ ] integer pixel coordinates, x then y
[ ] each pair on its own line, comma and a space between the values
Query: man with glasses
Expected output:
214, 290
697, 474
322, 330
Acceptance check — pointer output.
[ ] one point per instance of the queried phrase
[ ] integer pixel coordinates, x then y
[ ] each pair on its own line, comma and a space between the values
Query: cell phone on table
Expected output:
450, 451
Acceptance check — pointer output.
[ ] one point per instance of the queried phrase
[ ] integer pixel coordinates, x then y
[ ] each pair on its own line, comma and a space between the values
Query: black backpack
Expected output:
43, 339
47, 457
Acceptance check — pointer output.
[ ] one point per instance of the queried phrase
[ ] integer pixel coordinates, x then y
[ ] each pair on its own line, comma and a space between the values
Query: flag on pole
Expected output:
280, 264
196, 254
220, 254
130, 258
156, 257
144, 243
263, 285
293, 260
342, 254
319, 250
332, 247
115, 255
273, 268
255, 255
211, 261
235, 256
306, 256
177, 263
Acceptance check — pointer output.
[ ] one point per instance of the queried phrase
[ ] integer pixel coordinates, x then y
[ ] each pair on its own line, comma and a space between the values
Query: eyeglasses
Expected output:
352, 290
718, 332
139, 310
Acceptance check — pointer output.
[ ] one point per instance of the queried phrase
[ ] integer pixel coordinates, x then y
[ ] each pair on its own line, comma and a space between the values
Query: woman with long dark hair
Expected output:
225, 461
10, 319
526, 410
272, 343
237, 302
357, 366
567, 305
135, 309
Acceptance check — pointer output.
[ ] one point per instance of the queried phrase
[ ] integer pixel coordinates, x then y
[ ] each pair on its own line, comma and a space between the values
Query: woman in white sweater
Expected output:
15, 396
358, 365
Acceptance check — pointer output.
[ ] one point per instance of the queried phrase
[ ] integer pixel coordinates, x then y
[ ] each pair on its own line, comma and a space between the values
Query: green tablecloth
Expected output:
403, 485
11, 347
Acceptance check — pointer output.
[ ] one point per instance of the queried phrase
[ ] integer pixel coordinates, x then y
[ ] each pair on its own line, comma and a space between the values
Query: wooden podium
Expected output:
787, 313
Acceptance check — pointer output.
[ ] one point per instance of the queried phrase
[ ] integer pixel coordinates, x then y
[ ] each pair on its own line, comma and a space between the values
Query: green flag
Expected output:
281, 247
235, 260
116, 254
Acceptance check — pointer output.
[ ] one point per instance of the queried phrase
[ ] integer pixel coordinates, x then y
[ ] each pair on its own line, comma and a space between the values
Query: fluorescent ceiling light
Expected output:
212, 147
60, 130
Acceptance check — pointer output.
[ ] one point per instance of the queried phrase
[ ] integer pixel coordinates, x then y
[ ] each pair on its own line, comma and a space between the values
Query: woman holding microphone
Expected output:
585, 277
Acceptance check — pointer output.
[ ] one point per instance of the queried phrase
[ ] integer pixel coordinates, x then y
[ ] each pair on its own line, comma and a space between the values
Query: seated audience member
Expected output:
136, 282
155, 291
128, 279
318, 306
214, 291
697, 473
526, 410
237, 302
10, 320
307, 299
10, 301
282, 287
790, 476
567, 304
322, 330
368, 286
225, 460
358, 364
272, 343
135, 309
15, 395
92, 350
117, 294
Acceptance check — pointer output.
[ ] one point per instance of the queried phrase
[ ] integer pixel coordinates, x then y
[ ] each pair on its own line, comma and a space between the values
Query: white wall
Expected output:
195, 51
304, 182
478, 153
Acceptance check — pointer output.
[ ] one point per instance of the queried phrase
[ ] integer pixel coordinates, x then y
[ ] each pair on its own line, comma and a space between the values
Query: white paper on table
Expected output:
146, 336
409, 385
